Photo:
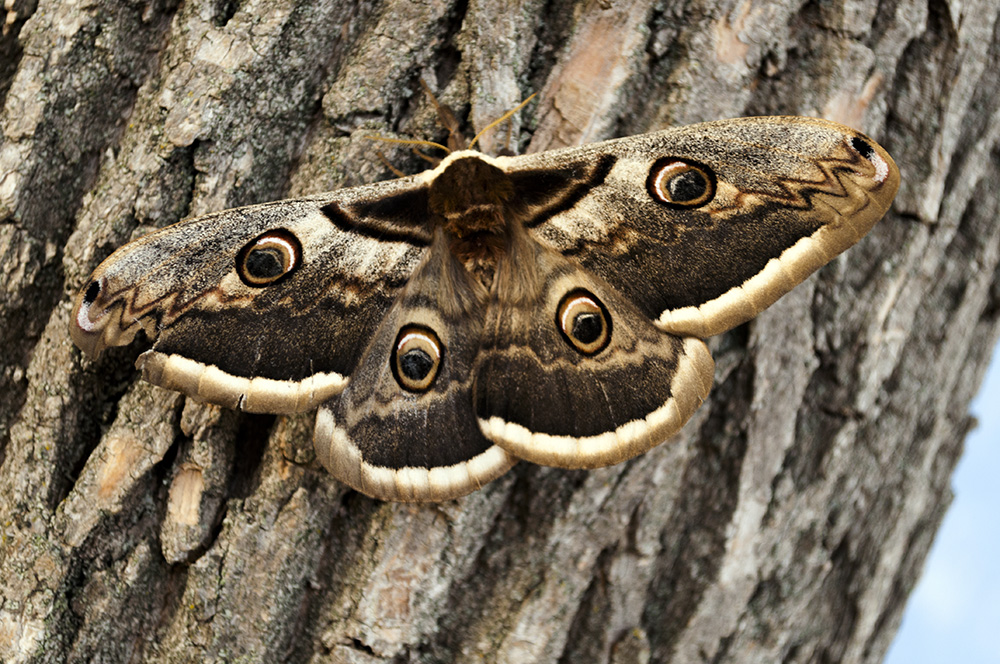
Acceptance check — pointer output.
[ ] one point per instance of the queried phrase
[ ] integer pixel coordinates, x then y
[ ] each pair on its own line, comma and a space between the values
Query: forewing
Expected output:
789, 195
283, 346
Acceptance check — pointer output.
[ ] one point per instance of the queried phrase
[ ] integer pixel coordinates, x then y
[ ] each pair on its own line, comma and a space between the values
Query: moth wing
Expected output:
788, 194
554, 400
281, 346
415, 438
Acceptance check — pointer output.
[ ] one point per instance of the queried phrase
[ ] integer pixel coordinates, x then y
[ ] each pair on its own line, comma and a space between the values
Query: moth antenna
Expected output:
408, 141
510, 137
426, 157
502, 118
395, 171
447, 119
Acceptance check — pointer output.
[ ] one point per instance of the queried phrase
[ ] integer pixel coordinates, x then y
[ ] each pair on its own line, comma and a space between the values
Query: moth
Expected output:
548, 307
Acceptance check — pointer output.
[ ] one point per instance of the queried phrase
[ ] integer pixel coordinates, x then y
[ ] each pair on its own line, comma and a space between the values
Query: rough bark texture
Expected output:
788, 522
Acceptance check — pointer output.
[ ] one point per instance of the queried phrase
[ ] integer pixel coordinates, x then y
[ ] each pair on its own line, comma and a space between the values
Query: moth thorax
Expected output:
479, 254
470, 197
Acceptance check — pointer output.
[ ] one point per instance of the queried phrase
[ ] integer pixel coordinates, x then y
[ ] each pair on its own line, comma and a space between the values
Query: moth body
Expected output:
470, 199
549, 307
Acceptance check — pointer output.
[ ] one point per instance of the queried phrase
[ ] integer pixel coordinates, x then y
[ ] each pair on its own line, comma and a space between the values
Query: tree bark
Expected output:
787, 522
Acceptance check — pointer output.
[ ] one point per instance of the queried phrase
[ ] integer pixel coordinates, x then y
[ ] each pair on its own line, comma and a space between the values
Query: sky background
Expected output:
954, 614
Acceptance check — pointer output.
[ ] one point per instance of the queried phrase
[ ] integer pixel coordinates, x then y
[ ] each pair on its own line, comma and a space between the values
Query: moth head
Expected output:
470, 195
584, 322
269, 258
416, 358
681, 183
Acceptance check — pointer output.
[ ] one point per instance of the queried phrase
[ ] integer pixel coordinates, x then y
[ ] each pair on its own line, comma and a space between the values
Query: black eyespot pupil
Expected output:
415, 364
687, 186
863, 148
587, 327
93, 290
264, 264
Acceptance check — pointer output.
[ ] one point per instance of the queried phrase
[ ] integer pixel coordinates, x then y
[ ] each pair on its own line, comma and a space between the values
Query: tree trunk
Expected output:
787, 522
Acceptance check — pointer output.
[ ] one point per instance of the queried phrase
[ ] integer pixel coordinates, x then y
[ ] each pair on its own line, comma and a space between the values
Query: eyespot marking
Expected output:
269, 258
93, 290
584, 322
680, 183
862, 147
416, 358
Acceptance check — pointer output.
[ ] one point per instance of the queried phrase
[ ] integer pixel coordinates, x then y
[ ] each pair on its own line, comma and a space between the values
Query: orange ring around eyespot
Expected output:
581, 301
666, 169
279, 239
416, 338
